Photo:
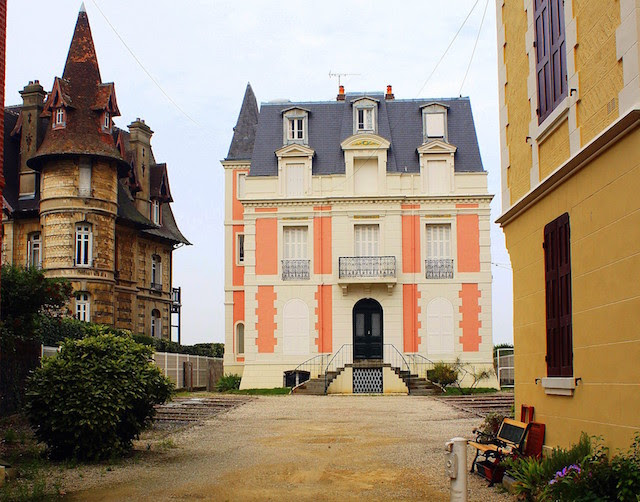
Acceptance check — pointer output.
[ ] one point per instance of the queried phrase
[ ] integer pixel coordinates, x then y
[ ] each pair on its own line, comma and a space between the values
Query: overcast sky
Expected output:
202, 53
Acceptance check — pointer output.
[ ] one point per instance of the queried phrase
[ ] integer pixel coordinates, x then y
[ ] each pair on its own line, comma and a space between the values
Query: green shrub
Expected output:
91, 400
443, 374
228, 382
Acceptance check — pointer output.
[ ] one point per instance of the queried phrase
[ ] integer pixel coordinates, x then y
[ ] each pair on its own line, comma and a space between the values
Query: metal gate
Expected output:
367, 380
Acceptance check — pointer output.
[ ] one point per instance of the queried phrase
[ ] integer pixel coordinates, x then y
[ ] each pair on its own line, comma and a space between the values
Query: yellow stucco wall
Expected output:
554, 150
604, 212
600, 72
517, 68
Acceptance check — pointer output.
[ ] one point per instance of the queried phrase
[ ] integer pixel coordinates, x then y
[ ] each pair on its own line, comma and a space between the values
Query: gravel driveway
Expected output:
298, 448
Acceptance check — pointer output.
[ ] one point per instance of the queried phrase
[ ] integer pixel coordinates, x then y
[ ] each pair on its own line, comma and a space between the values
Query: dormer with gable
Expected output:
437, 155
365, 115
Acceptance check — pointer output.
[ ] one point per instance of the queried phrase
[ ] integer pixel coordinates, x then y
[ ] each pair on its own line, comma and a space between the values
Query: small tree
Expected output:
443, 375
25, 293
91, 400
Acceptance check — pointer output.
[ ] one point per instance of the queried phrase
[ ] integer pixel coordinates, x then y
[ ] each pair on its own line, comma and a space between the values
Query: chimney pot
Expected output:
389, 94
340, 96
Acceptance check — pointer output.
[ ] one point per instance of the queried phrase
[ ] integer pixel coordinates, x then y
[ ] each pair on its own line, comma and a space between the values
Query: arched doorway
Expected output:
367, 330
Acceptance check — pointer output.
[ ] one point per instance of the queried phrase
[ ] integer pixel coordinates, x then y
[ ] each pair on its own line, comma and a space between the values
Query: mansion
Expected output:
87, 201
356, 228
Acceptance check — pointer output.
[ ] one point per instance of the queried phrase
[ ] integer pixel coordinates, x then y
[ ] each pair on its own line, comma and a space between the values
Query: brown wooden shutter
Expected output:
557, 52
543, 70
557, 263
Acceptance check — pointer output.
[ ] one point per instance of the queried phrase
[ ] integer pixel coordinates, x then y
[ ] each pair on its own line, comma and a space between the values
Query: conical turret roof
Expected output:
84, 98
244, 133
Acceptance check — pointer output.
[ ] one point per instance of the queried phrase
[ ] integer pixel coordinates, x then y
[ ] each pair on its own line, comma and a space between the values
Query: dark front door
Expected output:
367, 330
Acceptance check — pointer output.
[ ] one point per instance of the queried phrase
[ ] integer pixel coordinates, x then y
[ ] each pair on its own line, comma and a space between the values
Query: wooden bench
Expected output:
508, 441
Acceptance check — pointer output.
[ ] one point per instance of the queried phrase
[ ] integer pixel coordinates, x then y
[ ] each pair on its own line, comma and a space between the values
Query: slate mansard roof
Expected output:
331, 122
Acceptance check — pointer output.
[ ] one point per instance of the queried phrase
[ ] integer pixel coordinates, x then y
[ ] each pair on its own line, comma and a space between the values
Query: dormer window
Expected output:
296, 128
155, 211
106, 121
365, 117
434, 122
59, 118
295, 124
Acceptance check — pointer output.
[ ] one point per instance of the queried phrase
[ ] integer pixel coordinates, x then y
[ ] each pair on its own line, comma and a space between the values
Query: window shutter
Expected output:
557, 261
557, 51
541, 16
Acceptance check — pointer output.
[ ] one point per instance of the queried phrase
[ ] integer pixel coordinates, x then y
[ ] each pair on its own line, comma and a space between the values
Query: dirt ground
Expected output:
296, 448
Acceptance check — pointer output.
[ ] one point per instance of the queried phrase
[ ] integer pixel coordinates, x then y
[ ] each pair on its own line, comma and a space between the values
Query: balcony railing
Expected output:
156, 286
441, 268
364, 267
176, 293
295, 270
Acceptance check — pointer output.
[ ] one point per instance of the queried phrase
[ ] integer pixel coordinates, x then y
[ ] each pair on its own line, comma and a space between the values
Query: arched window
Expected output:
83, 307
156, 324
84, 245
240, 338
440, 326
295, 328
34, 250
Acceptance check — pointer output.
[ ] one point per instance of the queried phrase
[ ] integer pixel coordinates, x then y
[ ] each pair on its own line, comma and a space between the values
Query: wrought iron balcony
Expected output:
366, 267
295, 270
441, 268
176, 293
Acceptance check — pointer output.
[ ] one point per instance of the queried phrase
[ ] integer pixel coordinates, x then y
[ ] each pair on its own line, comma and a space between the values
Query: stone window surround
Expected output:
291, 114
367, 104
434, 108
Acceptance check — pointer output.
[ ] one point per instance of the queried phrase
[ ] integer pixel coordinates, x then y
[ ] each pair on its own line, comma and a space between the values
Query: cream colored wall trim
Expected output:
627, 35
503, 109
611, 135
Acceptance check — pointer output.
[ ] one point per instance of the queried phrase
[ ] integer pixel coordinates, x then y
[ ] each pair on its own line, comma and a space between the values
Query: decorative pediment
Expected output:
362, 141
296, 109
435, 105
295, 150
367, 98
436, 146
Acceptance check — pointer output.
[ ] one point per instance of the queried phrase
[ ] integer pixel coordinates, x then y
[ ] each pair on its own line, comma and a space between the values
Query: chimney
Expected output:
140, 143
340, 96
33, 96
389, 94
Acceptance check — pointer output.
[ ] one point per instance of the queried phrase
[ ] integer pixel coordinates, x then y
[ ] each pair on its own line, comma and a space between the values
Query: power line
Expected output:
474, 47
166, 95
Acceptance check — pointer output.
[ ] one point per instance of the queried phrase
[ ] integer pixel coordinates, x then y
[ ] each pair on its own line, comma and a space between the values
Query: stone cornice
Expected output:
400, 199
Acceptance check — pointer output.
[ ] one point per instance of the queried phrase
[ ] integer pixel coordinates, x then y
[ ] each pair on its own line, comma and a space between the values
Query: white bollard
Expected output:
456, 468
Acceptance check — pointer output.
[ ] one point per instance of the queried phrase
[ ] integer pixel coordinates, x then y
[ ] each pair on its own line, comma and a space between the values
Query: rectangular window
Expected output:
439, 177
295, 243
240, 338
557, 273
296, 128
58, 119
438, 242
83, 245
155, 212
156, 272
84, 178
107, 121
240, 248
551, 59
242, 178
367, 239
34, 250
365, 119
294, 180
435, 125
83, 307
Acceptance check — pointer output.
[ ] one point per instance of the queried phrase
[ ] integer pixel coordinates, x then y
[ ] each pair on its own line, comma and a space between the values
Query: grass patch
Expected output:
455, 391
278, 391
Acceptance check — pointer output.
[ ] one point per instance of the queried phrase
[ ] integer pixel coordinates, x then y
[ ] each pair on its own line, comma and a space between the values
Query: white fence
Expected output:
184, 370
197, 372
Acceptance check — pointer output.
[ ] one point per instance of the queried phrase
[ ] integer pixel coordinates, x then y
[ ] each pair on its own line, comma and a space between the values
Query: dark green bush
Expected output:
443, 374
91, 400
53, 331
199, 349
228, 382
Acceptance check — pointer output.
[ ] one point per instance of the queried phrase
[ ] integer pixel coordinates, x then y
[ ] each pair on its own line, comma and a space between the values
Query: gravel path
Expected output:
297, 448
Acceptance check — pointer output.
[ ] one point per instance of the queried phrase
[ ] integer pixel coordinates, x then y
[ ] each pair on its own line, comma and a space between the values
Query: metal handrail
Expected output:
363, 267
398, 355
317, 361
347, 349
420, 364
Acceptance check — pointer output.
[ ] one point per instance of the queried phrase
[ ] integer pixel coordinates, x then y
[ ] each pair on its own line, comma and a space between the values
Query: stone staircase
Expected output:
418, 386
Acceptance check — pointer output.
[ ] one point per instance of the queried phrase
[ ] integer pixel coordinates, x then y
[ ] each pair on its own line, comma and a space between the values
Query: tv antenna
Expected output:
340, 75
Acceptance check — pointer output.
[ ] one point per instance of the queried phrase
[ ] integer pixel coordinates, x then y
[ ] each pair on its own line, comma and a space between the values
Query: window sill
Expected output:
553, 120
559, 386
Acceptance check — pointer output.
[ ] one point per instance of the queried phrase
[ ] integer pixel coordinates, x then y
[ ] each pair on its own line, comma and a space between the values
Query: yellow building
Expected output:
86, 201
356, 242
569, 89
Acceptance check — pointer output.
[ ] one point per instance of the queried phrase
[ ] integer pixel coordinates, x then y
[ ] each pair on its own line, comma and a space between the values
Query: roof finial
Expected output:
82, 8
